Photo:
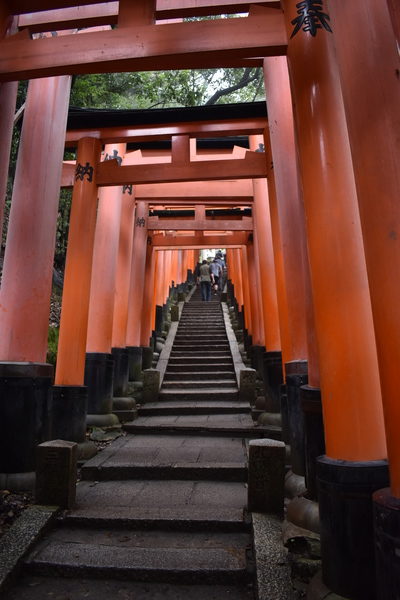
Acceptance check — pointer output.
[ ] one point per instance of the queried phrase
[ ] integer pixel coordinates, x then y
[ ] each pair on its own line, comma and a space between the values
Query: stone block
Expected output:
56, 473
266, 475
247, 385
151, 385
174, 312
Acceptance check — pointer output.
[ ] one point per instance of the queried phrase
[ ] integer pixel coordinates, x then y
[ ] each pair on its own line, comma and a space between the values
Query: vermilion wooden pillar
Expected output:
353, 420
160, 311
289, 206
136, 289
305, 433
120, 317
257, 335
78, 269
99, 366
272, 282
371, 72
174, 266
262, 225
258, 280
27, 275
69, 393
148, 297
167, 274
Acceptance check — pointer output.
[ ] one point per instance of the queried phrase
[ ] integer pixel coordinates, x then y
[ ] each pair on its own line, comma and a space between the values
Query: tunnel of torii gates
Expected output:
314, 264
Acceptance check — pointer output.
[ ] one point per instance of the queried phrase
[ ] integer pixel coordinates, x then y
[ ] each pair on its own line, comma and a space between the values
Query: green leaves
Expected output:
166, 89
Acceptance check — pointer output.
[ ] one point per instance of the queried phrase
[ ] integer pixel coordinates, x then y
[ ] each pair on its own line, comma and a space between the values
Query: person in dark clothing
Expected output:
216, 273
205, 281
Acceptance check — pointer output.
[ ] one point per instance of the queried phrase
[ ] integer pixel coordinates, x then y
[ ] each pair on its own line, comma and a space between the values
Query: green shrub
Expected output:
52, 344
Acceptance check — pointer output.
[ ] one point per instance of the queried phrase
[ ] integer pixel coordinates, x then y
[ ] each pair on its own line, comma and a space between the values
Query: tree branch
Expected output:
245, 80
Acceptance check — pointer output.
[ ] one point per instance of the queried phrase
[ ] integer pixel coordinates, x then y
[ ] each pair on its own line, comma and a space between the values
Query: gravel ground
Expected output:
11, 506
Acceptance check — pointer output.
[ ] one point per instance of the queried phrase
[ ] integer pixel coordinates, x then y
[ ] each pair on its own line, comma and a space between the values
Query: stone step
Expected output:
42, 587
201, 321
170, 472
172, 459
196, 383
196, 394
191, 347
195, 339
237, 425
185, 407
210, 360
203, 352
156, 556
199, 376
189, 366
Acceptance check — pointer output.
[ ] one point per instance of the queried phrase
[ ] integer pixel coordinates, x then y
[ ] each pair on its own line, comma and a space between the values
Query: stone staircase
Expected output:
161, 512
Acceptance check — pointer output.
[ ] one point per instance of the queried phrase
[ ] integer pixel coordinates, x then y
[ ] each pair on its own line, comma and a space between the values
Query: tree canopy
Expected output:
165, 89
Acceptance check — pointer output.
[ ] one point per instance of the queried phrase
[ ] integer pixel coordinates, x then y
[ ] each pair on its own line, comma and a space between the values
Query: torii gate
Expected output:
341, 176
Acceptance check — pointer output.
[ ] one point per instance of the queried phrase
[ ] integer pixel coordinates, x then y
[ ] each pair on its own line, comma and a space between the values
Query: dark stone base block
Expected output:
284, 415
69, 413
314, 437
25, 413
257, 358
272, 375
99, 372
387, 544
346, 524
147, 357
159, 319
135, 363
121, 371
296, 376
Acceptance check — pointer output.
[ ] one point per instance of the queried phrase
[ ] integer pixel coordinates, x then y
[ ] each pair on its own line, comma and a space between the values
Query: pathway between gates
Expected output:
161, 513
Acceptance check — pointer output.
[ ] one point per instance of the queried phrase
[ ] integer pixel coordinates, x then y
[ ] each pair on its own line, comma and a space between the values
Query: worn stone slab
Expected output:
144, 555
240, 425
199, 394
194, 407
217, 365
225, 461
195, 375
272, 566
19, 539
266, 475
160, 493
56, 473
40, 588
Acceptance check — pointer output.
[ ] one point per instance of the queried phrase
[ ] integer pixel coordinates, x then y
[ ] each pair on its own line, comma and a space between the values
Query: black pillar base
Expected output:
25, 413
314, 437
296, 376
121, 371
346, 523
387, 544
69, 413
256, 358
99, 371
272, 375
135, 363
159, 320
147, 357
284, 415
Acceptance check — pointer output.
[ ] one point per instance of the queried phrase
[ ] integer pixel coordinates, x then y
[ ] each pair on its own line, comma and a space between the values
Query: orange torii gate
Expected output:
328, 168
